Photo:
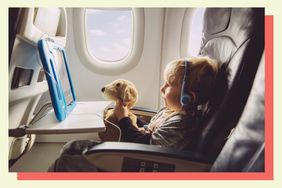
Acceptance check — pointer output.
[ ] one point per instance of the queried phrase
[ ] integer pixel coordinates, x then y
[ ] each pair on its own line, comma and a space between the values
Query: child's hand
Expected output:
120, 111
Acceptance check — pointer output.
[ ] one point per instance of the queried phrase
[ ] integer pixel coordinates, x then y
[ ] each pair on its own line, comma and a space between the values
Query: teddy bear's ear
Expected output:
130, 96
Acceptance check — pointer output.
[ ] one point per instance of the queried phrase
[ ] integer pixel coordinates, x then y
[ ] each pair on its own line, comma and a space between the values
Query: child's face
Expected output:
171, 95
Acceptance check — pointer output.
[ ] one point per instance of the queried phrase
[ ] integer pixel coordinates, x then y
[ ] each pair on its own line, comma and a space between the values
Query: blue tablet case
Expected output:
53, 58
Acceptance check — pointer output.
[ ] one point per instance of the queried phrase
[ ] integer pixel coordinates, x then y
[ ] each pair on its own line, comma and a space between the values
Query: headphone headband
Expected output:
185, 97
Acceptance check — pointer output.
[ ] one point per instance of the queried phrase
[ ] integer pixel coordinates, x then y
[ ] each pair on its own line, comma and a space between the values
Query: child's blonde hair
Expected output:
202, 75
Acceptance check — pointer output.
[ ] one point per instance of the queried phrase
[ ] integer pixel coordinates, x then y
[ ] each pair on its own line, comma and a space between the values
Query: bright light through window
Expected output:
109, 33
196, 32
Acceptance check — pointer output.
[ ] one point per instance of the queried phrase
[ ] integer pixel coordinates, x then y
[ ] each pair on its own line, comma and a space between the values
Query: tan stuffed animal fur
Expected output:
126, 92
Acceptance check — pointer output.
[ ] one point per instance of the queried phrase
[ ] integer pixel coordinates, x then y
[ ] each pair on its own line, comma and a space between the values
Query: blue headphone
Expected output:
185, 97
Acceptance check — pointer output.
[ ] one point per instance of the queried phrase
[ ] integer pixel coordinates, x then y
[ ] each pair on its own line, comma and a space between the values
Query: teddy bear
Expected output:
126, 92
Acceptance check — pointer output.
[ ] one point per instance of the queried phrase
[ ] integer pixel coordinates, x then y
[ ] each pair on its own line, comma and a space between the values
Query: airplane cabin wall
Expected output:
145, 75
163, 42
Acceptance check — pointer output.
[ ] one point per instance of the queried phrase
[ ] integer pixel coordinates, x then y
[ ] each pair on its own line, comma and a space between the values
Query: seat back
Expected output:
235, 36
244, 150
26, 75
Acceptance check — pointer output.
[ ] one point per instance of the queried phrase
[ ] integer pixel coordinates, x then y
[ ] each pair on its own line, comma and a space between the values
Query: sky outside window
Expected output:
109, 33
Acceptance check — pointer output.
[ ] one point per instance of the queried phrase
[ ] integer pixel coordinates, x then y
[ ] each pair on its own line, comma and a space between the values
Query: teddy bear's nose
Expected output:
103, 89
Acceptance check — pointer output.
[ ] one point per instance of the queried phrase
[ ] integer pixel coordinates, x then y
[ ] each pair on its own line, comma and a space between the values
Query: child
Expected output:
175, 125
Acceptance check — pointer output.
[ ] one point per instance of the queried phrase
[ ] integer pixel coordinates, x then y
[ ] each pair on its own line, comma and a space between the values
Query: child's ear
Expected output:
129, 96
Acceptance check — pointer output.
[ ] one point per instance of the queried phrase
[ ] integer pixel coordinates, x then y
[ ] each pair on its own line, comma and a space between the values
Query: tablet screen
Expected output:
63, 75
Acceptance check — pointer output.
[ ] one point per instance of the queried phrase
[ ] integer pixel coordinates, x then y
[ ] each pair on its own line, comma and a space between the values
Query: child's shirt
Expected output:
167, 128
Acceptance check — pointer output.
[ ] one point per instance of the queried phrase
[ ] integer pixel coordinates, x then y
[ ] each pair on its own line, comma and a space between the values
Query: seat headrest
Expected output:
225, 30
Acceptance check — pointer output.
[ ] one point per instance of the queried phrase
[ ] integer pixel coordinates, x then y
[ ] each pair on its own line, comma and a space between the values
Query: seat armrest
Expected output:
132, 157
143, 114
144, 110
136, 108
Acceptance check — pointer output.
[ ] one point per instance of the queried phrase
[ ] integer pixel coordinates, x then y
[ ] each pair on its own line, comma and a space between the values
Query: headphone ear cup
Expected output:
188, 98
185, 99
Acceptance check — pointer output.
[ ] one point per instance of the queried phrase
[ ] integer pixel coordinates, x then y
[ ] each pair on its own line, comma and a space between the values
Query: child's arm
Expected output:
141, 122
130, 133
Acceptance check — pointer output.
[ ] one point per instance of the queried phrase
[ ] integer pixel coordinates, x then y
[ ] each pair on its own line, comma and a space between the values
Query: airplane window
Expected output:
109, 33
194, 42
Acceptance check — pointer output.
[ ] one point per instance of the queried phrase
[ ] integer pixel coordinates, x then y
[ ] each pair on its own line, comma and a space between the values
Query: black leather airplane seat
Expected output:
226, 34
244, 150
234, 36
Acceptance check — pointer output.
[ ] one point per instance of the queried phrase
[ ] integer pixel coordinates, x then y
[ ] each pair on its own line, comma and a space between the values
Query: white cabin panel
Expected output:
145, 75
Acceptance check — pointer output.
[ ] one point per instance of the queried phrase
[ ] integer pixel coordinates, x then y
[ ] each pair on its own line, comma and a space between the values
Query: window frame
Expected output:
186, 30
105, 67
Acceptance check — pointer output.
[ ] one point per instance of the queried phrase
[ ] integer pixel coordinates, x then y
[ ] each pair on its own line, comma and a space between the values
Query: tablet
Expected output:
54, 60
